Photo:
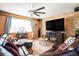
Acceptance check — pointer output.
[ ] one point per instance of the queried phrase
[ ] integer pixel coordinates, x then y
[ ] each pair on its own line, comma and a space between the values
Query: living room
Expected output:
36, 29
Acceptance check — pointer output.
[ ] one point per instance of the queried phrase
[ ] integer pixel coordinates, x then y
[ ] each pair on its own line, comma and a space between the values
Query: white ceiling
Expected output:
50, 8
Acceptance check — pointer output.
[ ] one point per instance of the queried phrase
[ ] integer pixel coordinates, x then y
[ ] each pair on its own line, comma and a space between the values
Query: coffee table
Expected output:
39, 49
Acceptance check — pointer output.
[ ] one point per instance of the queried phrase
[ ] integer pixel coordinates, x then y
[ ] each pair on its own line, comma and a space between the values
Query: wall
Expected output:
71, 19
72, 23
2, 23
36, 28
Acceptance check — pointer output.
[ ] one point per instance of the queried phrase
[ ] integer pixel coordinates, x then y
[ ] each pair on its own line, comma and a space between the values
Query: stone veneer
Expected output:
71, 24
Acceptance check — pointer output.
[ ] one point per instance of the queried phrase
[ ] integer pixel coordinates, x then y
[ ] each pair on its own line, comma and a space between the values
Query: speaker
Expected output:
76, 9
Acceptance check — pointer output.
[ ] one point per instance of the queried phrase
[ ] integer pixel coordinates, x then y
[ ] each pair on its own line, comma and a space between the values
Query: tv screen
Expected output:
55, 25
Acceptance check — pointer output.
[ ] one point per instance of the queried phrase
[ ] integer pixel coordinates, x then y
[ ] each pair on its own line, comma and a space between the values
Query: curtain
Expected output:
7, 25
32, 23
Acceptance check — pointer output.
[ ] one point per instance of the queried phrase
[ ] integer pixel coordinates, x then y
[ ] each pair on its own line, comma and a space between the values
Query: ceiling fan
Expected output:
36, 12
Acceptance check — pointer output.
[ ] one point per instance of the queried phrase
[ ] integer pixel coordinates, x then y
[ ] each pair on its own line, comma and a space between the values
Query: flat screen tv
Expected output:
55, 25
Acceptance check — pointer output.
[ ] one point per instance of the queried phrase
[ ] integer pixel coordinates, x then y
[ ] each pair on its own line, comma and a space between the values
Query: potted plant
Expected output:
77, 32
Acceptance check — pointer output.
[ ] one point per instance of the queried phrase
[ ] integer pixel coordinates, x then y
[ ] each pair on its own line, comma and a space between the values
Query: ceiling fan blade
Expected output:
39, 9
40, 12
37, 14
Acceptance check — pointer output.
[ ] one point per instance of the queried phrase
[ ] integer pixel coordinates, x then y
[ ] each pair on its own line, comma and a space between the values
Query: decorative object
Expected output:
43, 40
44, 37
77, 31
21, 34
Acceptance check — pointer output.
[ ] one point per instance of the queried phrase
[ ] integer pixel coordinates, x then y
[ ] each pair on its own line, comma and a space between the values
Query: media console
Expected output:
56, 37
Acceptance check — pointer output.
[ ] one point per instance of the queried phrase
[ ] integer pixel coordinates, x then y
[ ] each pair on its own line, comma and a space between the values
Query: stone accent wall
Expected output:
71, 24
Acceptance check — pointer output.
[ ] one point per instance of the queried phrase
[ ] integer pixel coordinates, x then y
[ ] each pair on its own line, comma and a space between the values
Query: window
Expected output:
16, 24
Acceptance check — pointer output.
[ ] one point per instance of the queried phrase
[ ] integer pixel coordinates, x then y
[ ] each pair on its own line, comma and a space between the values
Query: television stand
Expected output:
56, 37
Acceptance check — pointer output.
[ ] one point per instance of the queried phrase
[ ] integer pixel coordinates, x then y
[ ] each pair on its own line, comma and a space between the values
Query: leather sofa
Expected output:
74, 52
